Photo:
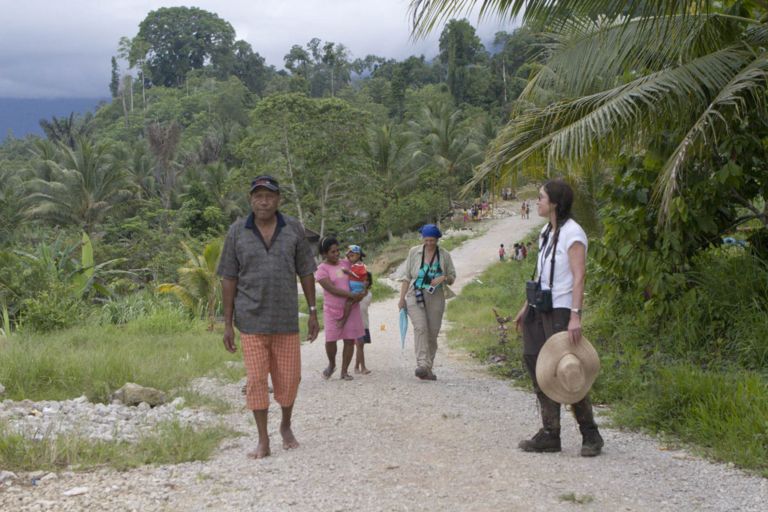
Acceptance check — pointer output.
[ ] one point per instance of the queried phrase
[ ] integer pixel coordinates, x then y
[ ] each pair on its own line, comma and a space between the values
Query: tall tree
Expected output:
249, 67
446, 144
460, 50
313, 145
179, 39
114, 81
388, 152
163, 142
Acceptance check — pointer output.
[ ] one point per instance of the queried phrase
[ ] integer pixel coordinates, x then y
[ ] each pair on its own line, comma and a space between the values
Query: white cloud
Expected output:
62, 48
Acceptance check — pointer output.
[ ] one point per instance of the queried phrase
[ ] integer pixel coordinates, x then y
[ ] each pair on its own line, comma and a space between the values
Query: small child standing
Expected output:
502, 252
360, 343
357, 277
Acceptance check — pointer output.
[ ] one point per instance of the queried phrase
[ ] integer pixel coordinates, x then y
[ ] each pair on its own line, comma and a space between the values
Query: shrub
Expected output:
54, 308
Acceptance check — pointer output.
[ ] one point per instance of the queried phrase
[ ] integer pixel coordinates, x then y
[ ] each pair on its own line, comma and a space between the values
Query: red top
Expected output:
359, 272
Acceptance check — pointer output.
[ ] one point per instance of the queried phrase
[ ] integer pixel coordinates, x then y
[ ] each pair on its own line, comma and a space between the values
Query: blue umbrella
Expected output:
403, 327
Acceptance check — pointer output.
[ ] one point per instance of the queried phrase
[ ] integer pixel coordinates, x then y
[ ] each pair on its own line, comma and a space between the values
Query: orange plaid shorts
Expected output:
275, 354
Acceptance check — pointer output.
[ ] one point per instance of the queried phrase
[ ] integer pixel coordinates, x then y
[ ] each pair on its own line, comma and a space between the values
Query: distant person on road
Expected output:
502, 252
260, 298
561, 270
366, 338
428, 269
332, 274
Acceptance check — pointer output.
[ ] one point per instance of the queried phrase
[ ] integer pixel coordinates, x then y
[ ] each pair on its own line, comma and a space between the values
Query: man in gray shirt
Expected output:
261, 258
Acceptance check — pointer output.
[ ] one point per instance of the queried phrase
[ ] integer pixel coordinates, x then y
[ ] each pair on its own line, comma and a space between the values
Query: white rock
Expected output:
81, 399
49, 476
75, 491
6, 476
178, 402
2, 389
143, 406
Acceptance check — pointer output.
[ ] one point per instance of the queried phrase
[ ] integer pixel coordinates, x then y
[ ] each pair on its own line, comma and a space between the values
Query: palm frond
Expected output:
571, 130
428, 14
745, 90
589, 55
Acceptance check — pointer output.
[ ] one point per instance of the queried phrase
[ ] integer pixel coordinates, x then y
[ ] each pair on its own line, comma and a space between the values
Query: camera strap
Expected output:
427, 271
544, 252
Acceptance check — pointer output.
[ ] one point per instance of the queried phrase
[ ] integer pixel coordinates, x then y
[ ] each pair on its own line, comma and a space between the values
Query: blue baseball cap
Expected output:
356, 249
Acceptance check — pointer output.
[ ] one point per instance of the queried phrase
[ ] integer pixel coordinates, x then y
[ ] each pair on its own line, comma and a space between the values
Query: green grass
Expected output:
212, 403
164, 350
170, 443
453, 242
683, 377
382, 291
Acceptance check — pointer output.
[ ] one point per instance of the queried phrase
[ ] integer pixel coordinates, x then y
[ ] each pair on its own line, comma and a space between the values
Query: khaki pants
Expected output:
426, 320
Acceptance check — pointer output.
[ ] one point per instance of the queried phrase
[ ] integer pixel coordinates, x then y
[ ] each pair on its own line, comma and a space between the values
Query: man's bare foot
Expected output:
357, 370
364, 371
261, 451
289, 440
346, 376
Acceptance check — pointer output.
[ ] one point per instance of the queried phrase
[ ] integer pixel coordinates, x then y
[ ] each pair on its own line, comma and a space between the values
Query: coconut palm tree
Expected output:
445, 143
85, 184
388, 153
618, 73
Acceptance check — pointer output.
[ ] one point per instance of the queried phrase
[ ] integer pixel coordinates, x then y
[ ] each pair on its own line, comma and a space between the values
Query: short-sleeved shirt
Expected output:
359, 271
333, 305
266, 301
562, 284
413, 266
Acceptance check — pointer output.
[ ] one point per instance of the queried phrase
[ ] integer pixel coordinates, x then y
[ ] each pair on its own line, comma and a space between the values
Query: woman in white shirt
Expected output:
561, 269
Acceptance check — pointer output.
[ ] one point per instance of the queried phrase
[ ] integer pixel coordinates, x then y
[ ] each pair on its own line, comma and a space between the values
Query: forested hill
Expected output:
20, 117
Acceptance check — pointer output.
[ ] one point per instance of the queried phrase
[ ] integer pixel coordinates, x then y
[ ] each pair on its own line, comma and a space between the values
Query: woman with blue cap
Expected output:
428, 271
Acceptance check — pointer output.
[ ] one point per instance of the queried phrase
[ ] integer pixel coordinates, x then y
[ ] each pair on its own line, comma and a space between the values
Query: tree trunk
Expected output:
504, 78
143, 90
291, 176
130, 91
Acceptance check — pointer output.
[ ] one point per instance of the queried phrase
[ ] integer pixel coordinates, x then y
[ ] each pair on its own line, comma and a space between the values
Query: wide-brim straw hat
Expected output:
566, 371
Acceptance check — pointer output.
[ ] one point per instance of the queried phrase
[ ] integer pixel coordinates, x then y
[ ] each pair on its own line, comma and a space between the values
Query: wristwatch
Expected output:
312, 309
577, 311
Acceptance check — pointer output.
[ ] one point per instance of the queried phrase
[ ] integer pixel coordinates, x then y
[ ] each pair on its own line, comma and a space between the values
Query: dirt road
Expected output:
388, 441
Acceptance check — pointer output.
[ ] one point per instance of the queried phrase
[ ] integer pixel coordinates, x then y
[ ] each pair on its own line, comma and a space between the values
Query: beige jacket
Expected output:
413, 263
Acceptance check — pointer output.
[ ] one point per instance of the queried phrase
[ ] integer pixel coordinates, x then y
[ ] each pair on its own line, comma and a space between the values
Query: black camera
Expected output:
539, 299
419, 296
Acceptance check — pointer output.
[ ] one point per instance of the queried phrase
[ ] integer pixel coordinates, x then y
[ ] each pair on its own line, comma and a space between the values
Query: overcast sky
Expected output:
62, 48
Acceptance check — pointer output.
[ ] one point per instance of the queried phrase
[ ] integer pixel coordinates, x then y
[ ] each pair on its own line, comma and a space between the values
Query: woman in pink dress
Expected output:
335, 282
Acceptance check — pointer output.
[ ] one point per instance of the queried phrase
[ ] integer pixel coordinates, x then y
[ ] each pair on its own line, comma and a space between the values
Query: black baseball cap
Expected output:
265, 181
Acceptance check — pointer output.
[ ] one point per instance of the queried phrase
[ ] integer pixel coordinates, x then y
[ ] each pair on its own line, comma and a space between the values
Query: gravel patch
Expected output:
388, 441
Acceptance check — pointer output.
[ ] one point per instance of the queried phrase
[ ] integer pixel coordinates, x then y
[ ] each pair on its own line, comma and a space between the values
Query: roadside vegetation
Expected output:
693, 374
170, 443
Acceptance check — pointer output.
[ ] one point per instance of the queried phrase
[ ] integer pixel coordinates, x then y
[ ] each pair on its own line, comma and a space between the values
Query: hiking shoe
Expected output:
421, 373
545, 441
592, 442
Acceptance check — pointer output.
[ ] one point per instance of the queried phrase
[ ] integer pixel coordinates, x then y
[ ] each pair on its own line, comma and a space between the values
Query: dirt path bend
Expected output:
388, 441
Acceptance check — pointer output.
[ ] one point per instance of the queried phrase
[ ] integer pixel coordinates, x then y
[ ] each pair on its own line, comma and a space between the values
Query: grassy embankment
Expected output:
698, 376
164, 349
